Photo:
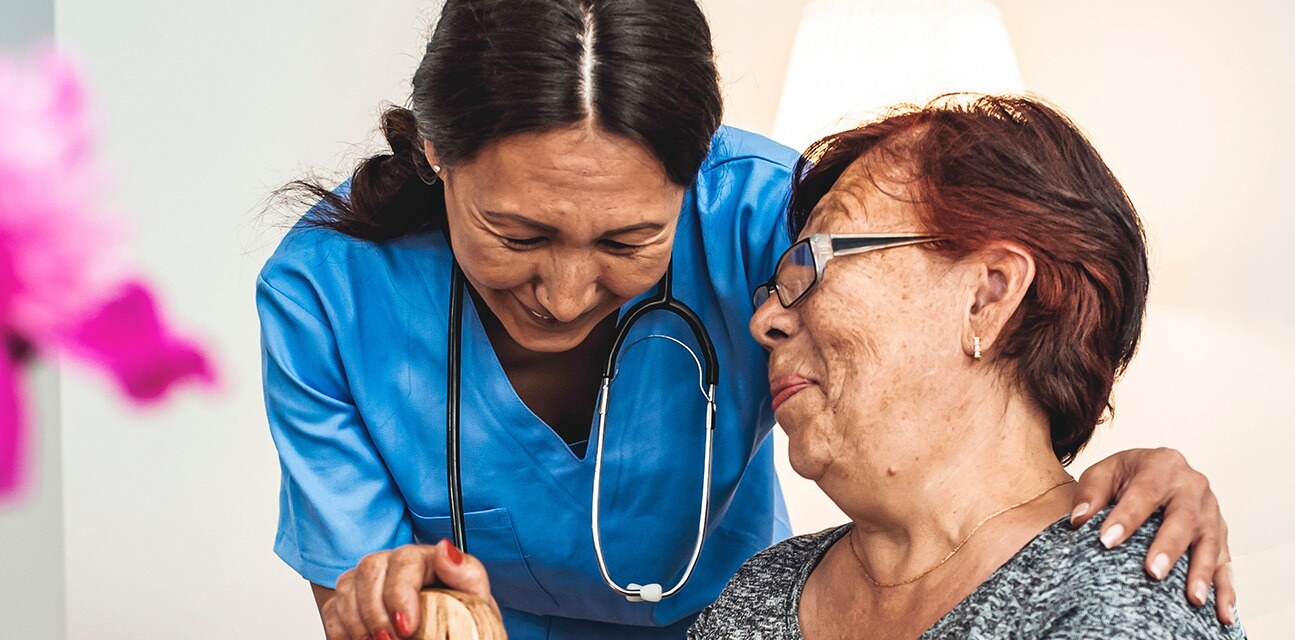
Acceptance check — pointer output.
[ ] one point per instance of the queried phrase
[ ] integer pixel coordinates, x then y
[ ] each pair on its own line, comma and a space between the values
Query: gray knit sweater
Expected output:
1063, 584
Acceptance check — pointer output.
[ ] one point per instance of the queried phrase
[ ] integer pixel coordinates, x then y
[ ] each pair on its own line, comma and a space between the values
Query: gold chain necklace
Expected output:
883, 585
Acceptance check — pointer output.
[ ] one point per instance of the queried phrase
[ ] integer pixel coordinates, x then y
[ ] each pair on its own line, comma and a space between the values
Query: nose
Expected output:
568, 285
773, 323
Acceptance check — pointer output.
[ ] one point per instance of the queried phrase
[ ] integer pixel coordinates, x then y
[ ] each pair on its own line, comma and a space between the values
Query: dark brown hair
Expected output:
496, 68
1009, 168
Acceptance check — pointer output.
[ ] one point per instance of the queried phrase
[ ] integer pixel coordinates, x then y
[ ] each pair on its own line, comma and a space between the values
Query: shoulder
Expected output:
745, 171
776, 563
740, 199
732, 147
761, 598
1086, 588
315, 259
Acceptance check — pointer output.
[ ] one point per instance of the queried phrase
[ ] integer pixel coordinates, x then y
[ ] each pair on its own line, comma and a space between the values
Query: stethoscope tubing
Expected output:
636, 592
663, 301
453, 472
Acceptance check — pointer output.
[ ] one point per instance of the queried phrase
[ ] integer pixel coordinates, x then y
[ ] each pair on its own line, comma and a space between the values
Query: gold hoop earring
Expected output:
975, 345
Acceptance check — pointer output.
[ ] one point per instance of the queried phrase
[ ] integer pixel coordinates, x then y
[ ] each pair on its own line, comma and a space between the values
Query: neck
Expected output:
987, 455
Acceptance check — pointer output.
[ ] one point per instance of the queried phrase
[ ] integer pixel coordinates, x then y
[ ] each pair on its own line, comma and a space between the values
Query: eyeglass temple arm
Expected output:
846, 245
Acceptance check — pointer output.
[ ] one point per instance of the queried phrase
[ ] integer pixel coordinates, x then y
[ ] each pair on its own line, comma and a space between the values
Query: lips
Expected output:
548, 322
539, 315
542, 319
784, 387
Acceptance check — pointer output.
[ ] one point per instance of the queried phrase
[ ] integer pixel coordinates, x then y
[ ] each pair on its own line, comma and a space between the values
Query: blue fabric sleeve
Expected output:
754, 181
765, 232
337, 500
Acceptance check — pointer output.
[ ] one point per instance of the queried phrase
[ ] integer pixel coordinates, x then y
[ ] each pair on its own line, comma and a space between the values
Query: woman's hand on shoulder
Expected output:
1140, 481
378, 599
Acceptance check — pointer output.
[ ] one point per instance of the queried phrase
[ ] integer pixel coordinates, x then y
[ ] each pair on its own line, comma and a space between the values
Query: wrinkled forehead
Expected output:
877, 193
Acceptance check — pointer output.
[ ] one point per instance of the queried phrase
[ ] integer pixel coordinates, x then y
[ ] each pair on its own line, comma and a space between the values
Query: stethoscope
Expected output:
662, 300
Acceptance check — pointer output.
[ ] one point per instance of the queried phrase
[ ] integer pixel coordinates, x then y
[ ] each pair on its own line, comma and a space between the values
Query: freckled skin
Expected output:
893, 335
909, 435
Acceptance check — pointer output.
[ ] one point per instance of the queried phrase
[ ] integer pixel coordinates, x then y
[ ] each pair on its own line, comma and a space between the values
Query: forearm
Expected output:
322, 595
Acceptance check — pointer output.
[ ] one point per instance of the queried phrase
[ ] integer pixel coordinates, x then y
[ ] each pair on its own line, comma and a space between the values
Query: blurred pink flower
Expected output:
62, 285
61, 245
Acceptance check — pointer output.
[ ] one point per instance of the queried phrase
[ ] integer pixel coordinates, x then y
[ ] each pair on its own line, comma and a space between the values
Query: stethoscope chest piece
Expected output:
645, 593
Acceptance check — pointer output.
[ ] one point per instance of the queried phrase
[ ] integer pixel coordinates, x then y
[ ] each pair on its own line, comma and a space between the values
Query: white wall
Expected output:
32, 586
1188, 103
31, 524
207, 106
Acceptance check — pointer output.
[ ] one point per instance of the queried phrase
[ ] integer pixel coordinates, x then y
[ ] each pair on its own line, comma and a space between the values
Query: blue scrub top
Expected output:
354, 348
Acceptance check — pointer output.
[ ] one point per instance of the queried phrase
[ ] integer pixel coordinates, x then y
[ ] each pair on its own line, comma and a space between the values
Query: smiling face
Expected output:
856, 364
556, 230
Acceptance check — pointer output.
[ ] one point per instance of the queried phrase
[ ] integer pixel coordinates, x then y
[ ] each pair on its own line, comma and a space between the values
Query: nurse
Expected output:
564, 153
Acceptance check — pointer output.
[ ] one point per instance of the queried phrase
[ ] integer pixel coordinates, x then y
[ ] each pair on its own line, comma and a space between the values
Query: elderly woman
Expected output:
969, 281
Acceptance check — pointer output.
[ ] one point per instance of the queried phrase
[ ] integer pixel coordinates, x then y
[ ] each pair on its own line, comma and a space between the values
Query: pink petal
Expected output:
127, 338
60, 240
13, 454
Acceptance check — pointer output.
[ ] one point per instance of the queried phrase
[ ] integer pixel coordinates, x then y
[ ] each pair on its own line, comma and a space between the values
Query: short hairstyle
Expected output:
1011, 168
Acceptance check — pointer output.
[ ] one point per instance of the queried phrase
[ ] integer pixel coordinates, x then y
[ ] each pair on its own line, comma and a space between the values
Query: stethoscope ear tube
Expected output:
663, 301
454, 354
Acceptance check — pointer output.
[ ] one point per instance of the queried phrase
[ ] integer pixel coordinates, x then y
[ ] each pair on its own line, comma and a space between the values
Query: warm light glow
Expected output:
854, 58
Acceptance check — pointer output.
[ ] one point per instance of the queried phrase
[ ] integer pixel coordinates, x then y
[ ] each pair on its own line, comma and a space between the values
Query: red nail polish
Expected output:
452, 552
383, 635
368, 637
402, 625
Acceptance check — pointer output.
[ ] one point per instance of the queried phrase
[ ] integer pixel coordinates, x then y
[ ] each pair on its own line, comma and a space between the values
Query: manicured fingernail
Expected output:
383, 635
1079, 511
1200, 592
452, 552
1112, 536
1160, 566
368, 637
1232, 615
402, 625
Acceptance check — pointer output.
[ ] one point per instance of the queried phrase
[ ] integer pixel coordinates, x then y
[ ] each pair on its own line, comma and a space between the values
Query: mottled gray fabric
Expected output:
1063, 584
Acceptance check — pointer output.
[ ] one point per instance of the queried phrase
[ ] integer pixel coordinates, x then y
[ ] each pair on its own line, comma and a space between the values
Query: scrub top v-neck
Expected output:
353, 337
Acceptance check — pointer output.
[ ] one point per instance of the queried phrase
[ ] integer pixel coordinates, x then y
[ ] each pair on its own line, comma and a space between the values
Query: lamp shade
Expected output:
852, 59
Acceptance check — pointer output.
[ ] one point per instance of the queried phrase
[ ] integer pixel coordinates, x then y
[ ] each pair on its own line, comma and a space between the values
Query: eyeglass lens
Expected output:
795, 274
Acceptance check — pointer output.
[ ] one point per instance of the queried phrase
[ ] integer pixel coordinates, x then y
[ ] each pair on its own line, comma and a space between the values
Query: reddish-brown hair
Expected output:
1009, 168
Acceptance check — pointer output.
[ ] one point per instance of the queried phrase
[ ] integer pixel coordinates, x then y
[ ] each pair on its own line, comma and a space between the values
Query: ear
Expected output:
1001, 274
433, 160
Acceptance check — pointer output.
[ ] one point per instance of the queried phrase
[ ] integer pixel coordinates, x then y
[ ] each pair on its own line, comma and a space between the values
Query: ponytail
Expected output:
392, 194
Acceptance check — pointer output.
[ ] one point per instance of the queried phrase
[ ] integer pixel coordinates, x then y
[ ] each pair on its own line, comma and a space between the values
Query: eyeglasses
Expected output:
801, 267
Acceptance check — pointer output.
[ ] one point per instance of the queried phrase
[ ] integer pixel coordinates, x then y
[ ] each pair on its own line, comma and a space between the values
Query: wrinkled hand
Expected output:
378, 599
1140, 481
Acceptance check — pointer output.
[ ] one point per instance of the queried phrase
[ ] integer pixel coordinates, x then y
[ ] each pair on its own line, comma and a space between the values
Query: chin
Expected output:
806, 462
808, 450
